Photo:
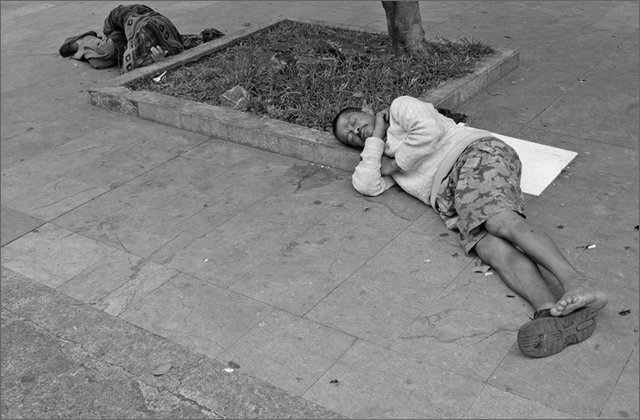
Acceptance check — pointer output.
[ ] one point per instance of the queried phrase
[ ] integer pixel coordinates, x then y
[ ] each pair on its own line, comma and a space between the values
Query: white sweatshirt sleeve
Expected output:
366, 178
418, 123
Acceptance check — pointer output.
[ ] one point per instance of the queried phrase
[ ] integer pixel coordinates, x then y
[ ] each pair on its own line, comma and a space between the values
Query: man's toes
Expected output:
577, 301
555, 312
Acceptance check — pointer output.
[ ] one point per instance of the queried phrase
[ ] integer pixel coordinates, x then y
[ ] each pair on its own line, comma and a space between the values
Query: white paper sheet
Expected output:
540, 164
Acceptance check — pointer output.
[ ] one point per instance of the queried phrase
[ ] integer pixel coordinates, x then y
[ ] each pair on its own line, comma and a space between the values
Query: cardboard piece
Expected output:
540, 164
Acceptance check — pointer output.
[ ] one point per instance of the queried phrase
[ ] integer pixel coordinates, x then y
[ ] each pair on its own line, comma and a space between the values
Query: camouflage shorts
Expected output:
484, 181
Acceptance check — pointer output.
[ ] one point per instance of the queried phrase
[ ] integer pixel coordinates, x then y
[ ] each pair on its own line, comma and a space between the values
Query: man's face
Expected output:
354, 127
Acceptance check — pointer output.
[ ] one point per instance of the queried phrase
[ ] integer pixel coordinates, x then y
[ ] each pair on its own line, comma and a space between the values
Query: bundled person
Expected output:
134, 36
100, 53
472, 180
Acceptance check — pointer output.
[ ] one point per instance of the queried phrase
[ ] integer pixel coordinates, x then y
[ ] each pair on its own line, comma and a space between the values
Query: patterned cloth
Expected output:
484, 181
141, 28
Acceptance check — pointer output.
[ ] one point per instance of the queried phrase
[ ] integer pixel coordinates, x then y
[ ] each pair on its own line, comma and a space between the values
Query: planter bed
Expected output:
312, 145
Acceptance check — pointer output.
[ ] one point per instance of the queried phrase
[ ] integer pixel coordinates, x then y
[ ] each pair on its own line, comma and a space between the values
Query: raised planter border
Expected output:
264, 133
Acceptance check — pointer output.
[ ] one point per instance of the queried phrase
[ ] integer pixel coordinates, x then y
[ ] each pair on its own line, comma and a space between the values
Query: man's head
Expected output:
68, 49
70, 46
352, 126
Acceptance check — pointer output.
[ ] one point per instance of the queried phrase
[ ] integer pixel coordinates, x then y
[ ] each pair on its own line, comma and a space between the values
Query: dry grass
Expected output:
311, 97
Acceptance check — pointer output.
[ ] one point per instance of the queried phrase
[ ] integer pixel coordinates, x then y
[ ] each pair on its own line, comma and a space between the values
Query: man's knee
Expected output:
499, 253
491, 249
505, 224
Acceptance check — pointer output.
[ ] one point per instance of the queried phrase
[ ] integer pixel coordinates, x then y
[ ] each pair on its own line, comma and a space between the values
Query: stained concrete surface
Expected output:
129, 246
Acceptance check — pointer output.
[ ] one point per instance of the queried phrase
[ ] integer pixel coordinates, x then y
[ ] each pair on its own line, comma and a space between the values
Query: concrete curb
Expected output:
264, 133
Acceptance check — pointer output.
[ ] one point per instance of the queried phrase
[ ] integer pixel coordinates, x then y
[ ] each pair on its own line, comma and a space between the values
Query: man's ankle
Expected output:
543, 311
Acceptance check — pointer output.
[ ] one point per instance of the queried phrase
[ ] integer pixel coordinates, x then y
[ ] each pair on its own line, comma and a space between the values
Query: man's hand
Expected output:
158, 54
382, 123
388, 166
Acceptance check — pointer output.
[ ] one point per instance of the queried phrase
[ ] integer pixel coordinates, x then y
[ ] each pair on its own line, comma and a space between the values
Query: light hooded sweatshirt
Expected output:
425, 145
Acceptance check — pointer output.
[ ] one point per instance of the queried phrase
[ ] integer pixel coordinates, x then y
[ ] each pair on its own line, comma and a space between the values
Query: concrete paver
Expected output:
128, 244
64, 359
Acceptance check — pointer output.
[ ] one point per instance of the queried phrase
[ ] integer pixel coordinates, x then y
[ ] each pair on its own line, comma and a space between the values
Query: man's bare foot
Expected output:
577, 298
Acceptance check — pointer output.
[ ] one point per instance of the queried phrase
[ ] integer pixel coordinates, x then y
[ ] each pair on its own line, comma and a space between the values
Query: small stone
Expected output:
235, 98
162, 369
275, 61
307, 64
28, 378
210, 34
343, 46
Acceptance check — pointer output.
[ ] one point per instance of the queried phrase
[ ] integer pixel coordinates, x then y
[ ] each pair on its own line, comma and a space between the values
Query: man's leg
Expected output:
516, 270
542, 250
545, 335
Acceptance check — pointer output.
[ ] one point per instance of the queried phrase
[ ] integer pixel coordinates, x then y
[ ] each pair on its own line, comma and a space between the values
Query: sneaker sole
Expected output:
550, 335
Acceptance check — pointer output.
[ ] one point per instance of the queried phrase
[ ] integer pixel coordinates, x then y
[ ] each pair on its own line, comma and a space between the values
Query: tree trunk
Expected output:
404, 26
